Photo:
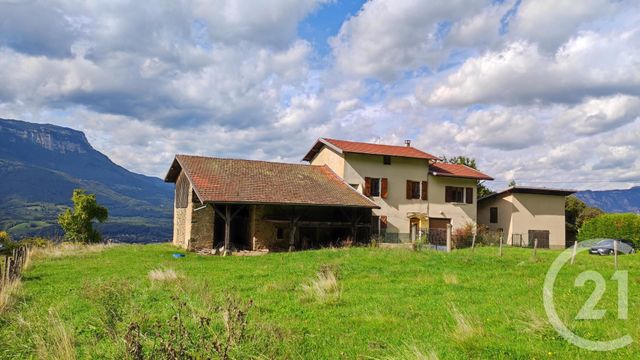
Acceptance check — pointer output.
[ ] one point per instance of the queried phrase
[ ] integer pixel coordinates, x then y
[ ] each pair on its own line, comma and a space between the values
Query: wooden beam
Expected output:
227, 229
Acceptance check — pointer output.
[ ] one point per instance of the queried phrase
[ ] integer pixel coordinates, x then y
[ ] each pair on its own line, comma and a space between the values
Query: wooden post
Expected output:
501, 239
473, 243
535, 246
449, 237
575, 250
227, 230
615, 253
292, 236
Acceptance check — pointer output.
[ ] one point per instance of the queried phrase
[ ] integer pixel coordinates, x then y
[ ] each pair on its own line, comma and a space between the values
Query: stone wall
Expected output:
264, 233
201, 227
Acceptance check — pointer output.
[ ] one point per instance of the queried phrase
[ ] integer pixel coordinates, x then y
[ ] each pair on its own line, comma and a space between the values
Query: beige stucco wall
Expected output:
524, 212
460, 214
331, 158
505, 208
396, 205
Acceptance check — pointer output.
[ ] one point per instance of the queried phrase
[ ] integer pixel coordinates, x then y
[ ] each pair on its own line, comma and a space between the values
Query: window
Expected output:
386, 159
279, 233
454, 194
375, 187
493, 215
413, 189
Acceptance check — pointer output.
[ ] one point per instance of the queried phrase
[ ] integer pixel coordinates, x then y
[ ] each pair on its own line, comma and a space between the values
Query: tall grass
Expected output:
163, 275
58, 342
324, 288
69, 249
8, 294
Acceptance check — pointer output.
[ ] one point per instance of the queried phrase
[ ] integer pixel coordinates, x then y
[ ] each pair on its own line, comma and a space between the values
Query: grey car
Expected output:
606, 247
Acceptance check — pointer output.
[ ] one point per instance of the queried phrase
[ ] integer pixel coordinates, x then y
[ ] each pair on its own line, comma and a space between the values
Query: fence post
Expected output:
501, 239
615, 253
449, 237
575, 250
535, 247
473, 243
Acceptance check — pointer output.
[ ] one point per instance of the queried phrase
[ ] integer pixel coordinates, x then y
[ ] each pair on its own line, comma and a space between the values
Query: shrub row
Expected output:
620, 226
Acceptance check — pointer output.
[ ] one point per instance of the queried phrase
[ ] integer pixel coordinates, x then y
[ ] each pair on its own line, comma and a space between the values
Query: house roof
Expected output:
529, 190
216, 180
341, 146
457, 170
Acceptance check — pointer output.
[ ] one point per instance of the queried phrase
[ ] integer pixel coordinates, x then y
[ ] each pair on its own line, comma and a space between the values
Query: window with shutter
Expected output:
469, 196
384, 188
408, 190
425, 190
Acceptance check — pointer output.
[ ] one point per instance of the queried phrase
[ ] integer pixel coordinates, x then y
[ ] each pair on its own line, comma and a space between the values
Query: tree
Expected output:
618, 226
470, 162
512, 183
78, 224
576, 213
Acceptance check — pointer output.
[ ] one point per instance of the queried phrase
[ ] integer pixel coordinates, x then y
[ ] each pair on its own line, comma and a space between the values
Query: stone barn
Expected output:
254, 205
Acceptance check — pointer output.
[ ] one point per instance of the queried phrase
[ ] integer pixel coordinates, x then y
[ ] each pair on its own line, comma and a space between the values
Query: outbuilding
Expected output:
254, 205
524, 214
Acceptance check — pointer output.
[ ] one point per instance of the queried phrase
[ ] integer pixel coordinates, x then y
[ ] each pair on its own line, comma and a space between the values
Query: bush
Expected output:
622, 226
463, 236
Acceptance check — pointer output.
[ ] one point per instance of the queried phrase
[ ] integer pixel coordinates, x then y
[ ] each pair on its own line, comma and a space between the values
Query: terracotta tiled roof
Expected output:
261, 182
456, 170
367, 148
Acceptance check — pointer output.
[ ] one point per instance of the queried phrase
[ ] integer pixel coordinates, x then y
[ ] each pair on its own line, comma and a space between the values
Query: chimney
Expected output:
407, 143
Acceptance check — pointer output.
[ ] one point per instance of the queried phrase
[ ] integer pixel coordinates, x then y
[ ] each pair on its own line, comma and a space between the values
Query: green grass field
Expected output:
392, 303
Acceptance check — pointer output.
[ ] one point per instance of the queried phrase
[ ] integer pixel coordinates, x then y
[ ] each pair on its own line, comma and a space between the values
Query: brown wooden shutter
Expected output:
448, 194
383, 222
367, 186
469, 196
408, 189
384, 188
425, 190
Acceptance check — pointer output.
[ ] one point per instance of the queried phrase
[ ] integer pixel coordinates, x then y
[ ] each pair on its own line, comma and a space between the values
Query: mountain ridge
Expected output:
41, 164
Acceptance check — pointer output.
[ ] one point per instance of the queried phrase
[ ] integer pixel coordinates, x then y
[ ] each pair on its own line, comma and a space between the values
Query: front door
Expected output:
414, 229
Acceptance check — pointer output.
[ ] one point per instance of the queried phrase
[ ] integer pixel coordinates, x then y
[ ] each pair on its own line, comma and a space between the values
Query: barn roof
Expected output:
366, 148
217, 180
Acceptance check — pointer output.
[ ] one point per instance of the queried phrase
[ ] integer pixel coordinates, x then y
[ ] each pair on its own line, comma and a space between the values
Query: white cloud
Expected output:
550, 23
388, 37
597, 115
521, 74
501, 129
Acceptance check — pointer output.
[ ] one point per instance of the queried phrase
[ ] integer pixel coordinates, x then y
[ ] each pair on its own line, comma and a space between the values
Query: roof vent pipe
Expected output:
407, 143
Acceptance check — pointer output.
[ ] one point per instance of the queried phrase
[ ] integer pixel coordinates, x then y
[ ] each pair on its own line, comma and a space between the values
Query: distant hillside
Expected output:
613, 200
41, 164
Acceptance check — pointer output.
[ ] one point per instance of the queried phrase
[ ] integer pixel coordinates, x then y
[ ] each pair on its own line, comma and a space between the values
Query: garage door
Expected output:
542, 236
438, 231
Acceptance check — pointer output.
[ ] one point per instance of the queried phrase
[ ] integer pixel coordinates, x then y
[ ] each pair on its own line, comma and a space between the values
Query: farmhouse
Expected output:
415, 192
526, 213
246, 204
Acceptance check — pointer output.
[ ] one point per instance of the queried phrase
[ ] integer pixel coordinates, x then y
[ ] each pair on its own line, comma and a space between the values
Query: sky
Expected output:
545, 92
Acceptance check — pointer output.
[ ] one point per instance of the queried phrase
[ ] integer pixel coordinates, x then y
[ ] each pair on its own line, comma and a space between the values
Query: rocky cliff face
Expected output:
41, 164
